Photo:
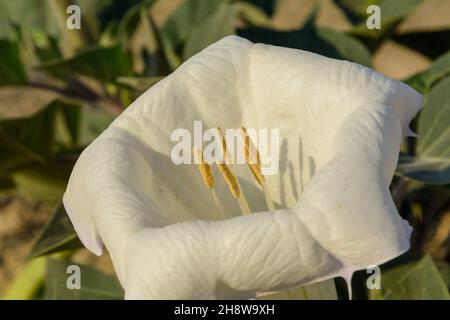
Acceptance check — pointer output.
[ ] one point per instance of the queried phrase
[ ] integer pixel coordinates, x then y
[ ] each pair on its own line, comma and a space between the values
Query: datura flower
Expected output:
326, 213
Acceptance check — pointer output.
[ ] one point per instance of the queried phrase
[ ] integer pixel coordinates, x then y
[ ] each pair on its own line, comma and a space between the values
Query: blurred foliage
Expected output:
94, 284
120, 51
417, 280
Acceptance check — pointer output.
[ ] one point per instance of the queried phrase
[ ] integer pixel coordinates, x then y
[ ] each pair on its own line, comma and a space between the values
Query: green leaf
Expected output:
95, 284
27, 282
29, 138
415, 281
58, 235
267, 6
423, 81
320, 40
176, 29
348, 47
444, 269
105, 64
131, 19
434, 123
356, 7
92, 122
37, 151
33, 139
91, 19
432, 161
11, 68
216, 25
252, 14
391, 13
427, 170
29, 14
45, 48
142, 38
70, 120
33, 16
42, 182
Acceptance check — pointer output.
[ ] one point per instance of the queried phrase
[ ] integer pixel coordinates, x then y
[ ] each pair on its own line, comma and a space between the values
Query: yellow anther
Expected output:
249, 148
208, 178
250, 151
230, 179
223, 144
204, 168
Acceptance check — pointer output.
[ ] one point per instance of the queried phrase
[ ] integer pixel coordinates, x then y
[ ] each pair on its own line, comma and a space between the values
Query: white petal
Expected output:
342, 125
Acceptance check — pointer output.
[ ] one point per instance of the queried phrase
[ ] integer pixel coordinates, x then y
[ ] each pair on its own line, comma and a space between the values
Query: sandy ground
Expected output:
20, 223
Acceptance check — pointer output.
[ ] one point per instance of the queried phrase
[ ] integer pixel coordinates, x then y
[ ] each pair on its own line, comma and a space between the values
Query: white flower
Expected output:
341, 125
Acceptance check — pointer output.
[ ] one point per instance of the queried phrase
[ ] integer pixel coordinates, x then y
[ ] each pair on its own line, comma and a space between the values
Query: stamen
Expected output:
255, 167
231, 179
248, 144
223, 143
208, 177
204, 168
234, 186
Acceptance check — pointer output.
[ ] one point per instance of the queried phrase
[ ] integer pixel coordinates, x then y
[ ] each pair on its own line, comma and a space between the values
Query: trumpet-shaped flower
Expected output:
340, 124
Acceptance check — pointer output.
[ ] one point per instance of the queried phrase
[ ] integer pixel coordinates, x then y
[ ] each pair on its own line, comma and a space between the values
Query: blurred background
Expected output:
59, 88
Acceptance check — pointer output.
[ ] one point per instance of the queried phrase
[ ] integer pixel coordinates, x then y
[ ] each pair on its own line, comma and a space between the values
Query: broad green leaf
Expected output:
434, 123
356, 7
348, 47
252, 14
77, 126
320, 40
43, 182
444, 269
131, 20
425, 79
46, 49
432, 161
28, 281
29, 138
105, 64
58, 235
142, 38
218, 24
91, 16
33, 139
431, 17
391, 13
34, 16
92, 122
35, 150
427, 170
28, 14
95, 284
191, 12
415, 281
70, 119
11, 68
267, 6
176, 29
